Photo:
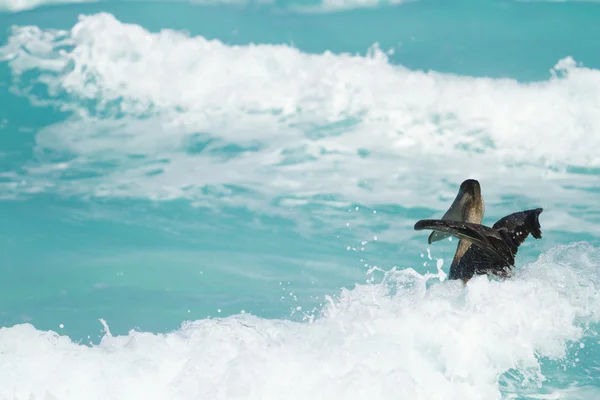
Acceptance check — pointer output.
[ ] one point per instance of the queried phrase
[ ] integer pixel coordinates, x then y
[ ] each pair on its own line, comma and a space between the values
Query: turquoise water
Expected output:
216, 201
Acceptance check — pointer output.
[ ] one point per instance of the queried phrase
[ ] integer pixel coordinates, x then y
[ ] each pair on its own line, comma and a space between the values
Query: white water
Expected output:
367, 129
325, 6
22, 5
441, 342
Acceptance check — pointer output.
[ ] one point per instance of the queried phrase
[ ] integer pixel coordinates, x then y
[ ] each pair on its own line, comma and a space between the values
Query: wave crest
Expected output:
442, 341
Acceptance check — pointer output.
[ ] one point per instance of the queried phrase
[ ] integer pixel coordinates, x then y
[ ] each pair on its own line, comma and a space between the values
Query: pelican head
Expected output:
468, 206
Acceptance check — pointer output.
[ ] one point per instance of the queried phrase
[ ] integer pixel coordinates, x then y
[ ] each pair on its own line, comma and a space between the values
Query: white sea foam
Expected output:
338, 5
303, 125
22, 5
324, 6
416, 342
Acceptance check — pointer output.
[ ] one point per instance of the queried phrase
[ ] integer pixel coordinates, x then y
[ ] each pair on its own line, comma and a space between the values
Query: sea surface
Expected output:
216, 199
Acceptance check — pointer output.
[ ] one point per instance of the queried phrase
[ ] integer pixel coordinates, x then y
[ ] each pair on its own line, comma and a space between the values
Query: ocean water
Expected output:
216, 200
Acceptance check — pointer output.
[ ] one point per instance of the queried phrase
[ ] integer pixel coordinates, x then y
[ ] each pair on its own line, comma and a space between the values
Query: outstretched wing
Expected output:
517, 227
487, 239
493, 249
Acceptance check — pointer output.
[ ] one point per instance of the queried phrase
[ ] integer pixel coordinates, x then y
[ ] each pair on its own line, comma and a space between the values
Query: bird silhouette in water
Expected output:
481, 250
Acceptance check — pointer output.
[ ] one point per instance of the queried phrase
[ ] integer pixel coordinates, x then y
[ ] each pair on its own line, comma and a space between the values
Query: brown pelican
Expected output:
481, 249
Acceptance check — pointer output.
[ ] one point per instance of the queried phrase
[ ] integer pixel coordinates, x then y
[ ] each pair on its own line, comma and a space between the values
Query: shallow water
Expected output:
217, 200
